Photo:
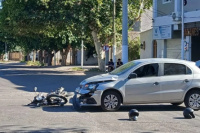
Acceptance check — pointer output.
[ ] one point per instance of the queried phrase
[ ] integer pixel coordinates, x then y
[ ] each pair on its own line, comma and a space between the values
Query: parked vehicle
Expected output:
59, 97
142, 81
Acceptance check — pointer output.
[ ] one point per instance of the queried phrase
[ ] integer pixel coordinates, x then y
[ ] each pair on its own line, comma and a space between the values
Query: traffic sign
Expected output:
105, 47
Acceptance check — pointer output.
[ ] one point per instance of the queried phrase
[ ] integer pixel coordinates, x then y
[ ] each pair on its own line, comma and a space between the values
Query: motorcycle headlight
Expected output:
90, 86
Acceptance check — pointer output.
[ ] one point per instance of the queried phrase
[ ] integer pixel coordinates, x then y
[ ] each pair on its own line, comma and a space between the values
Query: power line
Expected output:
149, 17
159, 12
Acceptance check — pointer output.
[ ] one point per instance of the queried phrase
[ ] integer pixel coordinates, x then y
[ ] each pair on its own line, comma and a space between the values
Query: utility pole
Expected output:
125, 32
82, 53
114, 35
182, 32
6, 52
82, 50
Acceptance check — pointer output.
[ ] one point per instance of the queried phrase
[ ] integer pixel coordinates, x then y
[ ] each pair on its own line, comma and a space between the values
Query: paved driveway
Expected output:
17, 82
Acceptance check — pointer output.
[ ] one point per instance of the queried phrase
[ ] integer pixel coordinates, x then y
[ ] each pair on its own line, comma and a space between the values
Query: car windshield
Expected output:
124, 68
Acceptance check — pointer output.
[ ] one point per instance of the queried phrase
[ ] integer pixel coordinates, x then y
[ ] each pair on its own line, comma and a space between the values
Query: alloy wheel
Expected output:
194, 101
110, 101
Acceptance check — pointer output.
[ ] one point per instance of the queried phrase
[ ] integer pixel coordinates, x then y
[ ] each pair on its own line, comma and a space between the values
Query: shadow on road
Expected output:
66, 108
12, 128
45, 80
144, 108
179, 118
140, 108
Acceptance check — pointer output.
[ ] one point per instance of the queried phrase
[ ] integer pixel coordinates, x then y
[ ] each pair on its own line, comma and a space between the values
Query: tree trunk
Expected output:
50, 56
28, 56
98, 47
64, 54
40, 57
139, 13
34, 55
73, 56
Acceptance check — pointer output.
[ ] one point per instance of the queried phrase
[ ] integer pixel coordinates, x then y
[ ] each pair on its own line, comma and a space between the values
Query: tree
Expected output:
58, 25
134, 49
38, 24
96, 18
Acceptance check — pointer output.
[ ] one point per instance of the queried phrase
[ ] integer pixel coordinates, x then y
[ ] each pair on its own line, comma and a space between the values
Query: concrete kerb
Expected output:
54, 68
70, 68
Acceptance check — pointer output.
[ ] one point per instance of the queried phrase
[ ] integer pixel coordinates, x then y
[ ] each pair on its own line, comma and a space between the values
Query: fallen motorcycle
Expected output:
58, 97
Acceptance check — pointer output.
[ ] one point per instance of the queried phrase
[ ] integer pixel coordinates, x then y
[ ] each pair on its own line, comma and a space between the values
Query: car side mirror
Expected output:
132, 76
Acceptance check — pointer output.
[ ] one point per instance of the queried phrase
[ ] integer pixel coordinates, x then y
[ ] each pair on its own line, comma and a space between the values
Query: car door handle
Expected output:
156, 83
186, 81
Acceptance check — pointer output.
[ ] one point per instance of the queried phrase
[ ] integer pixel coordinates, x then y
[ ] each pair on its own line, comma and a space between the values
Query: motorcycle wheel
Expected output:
56, 99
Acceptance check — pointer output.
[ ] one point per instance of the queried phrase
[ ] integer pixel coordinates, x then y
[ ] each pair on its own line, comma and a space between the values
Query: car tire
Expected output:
176, 104
192, 100
110, 101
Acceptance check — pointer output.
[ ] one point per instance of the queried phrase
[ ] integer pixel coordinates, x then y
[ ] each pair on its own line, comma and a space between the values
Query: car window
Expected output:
124, 68
176, 69
147, 70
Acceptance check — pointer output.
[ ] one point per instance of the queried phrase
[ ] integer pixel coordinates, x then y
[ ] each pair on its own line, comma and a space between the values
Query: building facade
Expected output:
146, 30
167, 30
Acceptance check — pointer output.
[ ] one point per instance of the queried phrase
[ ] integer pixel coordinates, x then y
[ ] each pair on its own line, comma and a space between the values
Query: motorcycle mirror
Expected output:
35, 89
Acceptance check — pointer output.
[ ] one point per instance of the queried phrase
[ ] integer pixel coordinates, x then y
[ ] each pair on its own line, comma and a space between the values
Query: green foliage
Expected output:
2, 48
77, 69
94, 70
36, 63
56, 24
38, 24
134, 49
22, 61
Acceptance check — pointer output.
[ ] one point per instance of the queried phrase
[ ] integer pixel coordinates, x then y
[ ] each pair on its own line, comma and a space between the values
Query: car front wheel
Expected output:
192, 100
110, 101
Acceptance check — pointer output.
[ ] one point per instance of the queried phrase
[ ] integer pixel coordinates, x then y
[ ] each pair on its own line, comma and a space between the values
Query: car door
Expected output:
145, 87
175, 80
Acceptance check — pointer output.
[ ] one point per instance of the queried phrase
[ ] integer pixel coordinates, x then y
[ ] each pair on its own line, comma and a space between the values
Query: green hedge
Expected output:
36, 63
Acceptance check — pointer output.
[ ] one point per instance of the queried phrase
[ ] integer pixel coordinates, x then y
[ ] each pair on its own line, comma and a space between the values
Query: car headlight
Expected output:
90, 86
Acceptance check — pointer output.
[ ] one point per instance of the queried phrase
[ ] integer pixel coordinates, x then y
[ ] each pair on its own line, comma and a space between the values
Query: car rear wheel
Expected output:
110, 101
192, 100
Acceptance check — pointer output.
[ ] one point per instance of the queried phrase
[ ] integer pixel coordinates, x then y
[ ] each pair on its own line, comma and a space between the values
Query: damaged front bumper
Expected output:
87, 98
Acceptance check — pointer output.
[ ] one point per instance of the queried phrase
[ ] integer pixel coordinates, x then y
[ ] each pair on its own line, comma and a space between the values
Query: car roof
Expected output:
163, 60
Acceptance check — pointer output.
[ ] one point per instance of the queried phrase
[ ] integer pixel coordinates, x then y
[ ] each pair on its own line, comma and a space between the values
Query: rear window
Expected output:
176, 69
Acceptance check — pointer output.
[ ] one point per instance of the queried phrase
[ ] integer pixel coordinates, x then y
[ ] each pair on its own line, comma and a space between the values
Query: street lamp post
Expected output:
6, 53
125, 32
82, 48
182, 32
114, 35
82, 53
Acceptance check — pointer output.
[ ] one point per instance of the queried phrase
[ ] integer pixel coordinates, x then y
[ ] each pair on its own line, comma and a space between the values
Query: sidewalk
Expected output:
69, 68
50, 68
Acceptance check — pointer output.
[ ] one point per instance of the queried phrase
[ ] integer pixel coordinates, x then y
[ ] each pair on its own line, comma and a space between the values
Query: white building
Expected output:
166, 32
146, 34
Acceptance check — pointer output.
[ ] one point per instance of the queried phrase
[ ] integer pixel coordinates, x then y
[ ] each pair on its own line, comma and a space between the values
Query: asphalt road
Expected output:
16, 88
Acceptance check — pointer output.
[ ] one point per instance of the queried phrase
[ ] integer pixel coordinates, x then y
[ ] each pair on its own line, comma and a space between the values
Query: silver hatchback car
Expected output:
157, 80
